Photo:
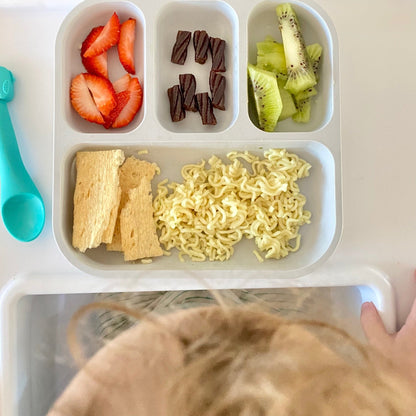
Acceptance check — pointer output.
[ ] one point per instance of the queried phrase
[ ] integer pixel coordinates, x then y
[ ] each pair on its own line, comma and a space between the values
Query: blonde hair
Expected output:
248, 362
244, 361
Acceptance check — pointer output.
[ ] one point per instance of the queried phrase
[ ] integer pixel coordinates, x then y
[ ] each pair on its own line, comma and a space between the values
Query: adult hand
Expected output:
399, 348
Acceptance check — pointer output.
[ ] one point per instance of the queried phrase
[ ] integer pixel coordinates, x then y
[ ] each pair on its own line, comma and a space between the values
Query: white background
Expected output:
378, 95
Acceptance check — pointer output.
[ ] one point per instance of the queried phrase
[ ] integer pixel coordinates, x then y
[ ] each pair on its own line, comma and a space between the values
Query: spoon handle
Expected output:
13, 175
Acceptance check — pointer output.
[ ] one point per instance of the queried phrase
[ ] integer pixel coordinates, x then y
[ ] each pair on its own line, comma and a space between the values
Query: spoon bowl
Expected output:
24, 216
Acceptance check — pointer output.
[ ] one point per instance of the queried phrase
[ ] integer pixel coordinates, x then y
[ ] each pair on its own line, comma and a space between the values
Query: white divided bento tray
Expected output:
171, 145
35, 311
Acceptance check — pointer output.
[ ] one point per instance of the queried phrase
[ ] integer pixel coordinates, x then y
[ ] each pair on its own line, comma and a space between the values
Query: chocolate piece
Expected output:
180, 48
177, 113
188, 87
201, 45
217, 87
205, 108
217, 46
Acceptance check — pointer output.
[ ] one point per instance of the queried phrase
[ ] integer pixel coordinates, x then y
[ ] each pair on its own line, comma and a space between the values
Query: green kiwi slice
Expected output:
302, 98
308, 93
288, 104
299, 68
266, 97
271, 57
303, 114
269, 46
315, 52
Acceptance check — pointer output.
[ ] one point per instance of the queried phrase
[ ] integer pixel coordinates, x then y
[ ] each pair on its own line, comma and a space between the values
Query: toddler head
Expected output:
238, 361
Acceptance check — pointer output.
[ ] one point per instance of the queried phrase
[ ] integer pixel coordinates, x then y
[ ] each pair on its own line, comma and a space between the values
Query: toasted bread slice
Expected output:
138, 228
96, 197
131, 173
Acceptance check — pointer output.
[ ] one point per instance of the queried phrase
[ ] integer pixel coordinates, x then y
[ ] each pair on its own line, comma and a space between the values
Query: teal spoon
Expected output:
22, 206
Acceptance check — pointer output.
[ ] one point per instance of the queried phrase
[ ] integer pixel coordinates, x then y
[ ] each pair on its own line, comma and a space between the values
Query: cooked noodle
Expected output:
215, 207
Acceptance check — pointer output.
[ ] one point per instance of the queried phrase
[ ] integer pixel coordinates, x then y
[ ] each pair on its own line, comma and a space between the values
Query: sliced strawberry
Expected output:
102, 92
132, 107
126, 45
122, 84
109, 37
83, 102
97, 65
122, 99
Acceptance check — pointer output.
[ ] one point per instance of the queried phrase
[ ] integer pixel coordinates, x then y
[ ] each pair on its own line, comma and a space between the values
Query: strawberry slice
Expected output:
102, 92
126, 45
97, 65
122, 84
122, 99
108, 37
83, 102
89, 90
133, 105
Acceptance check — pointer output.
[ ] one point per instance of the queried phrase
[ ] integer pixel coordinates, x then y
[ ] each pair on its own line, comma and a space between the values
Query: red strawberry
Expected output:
122, 84
109, 37
126, 45
89, 91
133, 105
122, 99
83, 102
102, 92
96, 65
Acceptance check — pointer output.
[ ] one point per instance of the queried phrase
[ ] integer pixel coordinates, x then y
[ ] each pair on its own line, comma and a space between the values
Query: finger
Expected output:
411, 318
373, 326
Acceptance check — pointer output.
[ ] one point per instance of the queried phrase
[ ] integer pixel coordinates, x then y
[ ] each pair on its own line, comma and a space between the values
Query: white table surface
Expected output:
378, 91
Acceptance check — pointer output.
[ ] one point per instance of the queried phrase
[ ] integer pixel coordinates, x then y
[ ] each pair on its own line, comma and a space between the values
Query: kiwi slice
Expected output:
271, 57
266, 97
315, 52
303, 114
288, 104
299, 68
269, 46
272, 63
310, 92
